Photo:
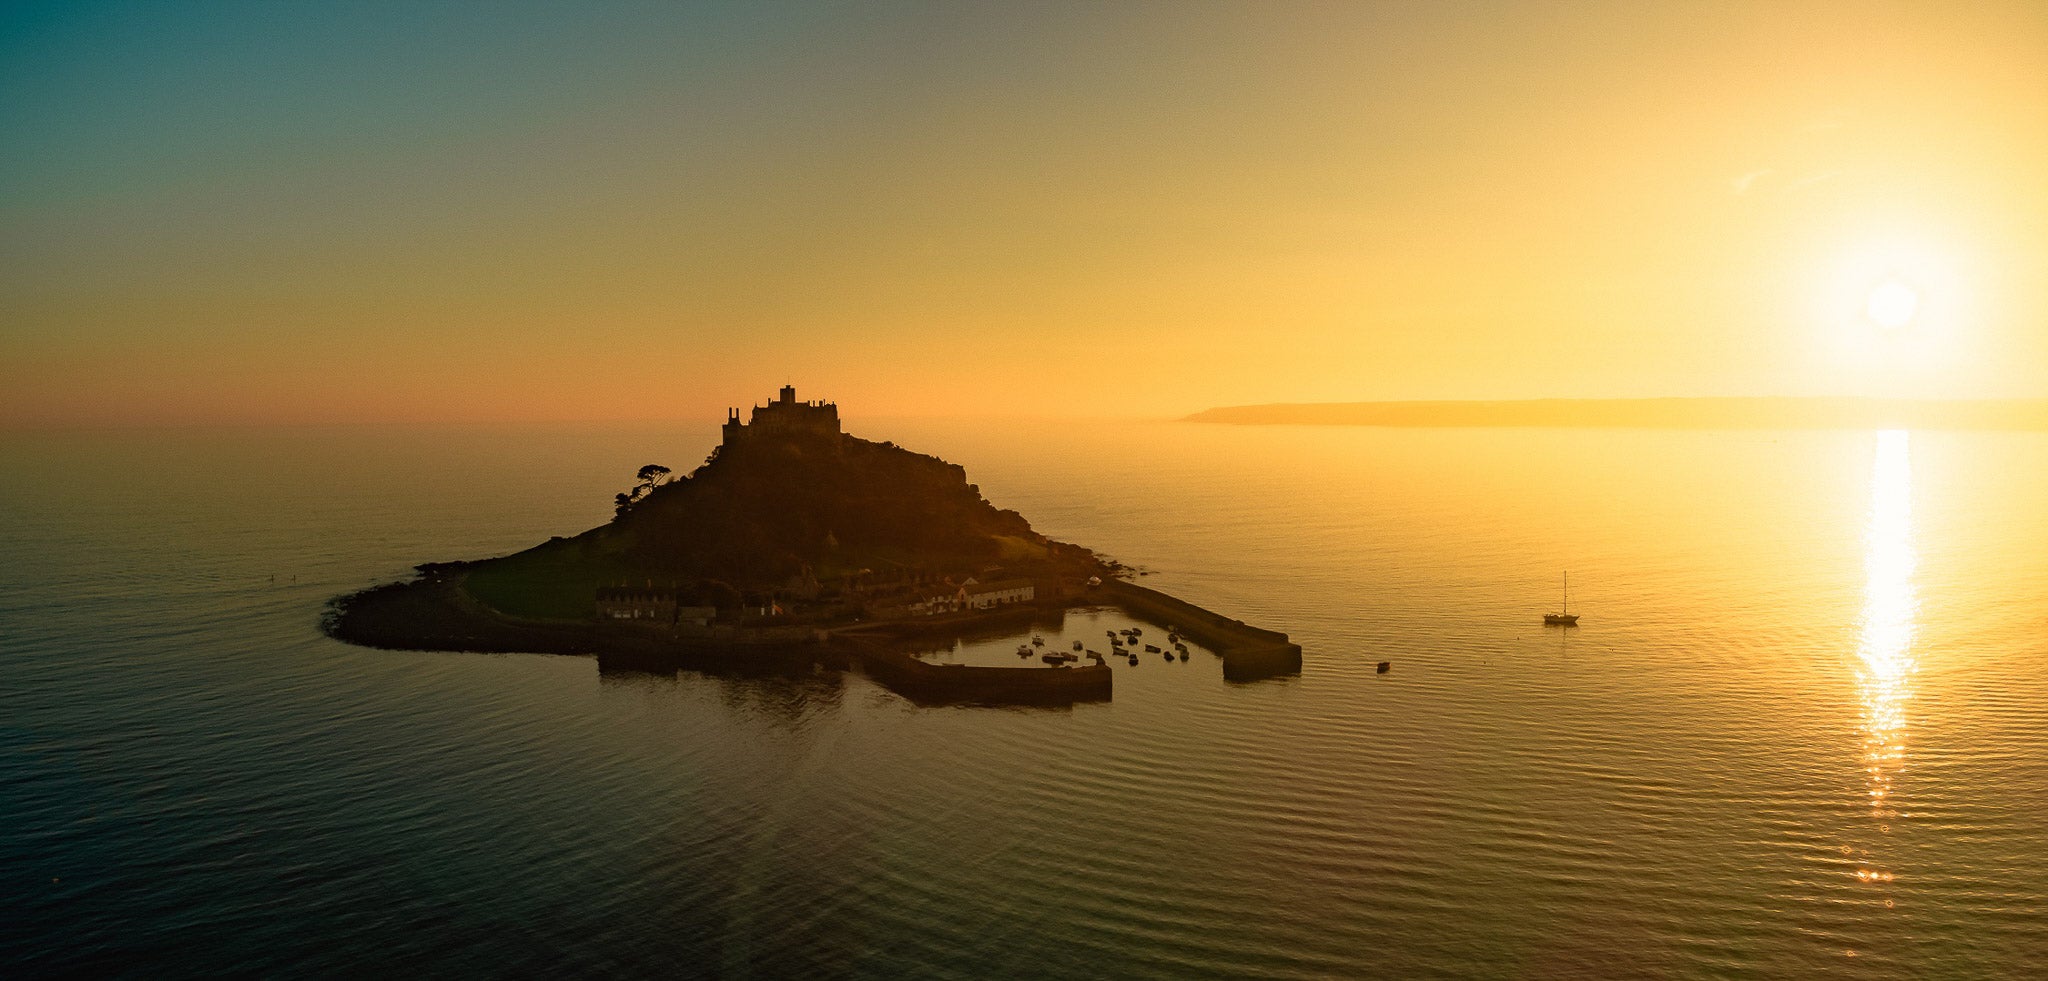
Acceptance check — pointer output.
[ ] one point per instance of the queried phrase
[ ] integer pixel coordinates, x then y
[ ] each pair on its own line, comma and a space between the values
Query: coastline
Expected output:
433, 613
1765, 413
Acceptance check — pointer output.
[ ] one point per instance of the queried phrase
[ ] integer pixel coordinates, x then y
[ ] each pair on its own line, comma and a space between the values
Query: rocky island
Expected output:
793, 540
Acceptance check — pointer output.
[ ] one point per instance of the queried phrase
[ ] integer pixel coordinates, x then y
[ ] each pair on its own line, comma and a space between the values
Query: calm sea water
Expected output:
1802, 732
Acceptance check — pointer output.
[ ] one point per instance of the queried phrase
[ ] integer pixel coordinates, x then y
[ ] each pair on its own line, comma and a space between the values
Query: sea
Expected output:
1801, 730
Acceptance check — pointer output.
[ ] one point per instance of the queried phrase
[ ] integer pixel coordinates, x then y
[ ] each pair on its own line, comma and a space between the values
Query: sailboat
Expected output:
1564, 618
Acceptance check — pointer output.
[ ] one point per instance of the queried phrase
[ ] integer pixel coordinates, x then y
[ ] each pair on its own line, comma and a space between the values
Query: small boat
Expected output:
1564, 617
1151, 648
1134, 660
1077, 645
1385, 666
1023, 650
1135, 631
1037, 641
1183, 653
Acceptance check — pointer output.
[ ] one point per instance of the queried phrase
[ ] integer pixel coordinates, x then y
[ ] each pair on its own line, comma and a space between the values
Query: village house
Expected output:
649, 604
1002, 592
636, 603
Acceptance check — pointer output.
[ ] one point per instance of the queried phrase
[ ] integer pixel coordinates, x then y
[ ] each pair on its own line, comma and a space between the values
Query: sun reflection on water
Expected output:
1885, 643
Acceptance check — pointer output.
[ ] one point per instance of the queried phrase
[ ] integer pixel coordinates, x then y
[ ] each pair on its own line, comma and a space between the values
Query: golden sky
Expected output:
310, 213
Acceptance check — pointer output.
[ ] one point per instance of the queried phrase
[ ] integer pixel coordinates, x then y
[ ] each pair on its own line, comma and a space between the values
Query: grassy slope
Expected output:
890, 507
555, 581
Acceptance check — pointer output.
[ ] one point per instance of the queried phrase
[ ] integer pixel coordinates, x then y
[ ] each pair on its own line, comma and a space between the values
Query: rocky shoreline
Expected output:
432, 613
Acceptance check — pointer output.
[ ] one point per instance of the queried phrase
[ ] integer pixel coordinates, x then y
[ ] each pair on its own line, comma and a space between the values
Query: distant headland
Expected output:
1671, 413
792, 539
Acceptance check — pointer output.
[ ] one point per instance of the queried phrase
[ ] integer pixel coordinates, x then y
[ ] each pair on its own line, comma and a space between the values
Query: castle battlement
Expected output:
784, 417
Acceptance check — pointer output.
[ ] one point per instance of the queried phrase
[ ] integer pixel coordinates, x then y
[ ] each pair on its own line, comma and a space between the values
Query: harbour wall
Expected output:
922, 681
1249, 653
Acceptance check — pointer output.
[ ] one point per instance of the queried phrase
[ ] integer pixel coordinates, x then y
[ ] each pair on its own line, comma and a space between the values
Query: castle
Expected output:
784, 417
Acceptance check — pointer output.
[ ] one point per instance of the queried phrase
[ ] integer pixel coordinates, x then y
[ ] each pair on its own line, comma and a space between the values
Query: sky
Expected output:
415, 212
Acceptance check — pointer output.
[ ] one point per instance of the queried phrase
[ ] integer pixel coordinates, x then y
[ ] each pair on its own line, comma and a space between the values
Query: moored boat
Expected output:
1564, 617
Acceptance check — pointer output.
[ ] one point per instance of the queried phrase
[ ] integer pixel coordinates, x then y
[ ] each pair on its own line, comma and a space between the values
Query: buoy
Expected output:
1385, 666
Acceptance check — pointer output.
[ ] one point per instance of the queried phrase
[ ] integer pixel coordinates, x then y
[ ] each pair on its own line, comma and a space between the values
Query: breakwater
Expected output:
435, 613
922, 681
1249, 653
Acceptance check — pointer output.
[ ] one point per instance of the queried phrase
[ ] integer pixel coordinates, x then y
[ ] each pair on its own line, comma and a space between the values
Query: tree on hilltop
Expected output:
650, 476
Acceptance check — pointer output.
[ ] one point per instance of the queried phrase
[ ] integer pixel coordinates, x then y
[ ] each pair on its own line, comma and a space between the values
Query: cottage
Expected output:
636, 603
1002, 592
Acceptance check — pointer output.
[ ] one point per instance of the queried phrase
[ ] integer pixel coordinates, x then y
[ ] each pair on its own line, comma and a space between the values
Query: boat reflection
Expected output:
1885, 640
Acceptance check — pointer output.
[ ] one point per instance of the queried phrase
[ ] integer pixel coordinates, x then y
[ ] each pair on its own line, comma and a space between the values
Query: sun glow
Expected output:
1892, 304
1896, 315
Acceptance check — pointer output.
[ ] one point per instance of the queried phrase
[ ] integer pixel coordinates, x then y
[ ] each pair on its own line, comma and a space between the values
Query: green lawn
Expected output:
554, 582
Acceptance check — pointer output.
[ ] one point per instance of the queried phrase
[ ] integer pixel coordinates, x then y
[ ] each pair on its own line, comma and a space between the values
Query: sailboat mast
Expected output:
1567, 593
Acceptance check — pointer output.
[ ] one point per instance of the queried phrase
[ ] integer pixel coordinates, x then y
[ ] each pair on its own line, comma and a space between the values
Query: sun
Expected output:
1897, 313
1892, 304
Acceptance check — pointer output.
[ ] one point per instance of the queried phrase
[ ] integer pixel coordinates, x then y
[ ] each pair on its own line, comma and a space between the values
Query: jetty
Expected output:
1249, 653
941, 684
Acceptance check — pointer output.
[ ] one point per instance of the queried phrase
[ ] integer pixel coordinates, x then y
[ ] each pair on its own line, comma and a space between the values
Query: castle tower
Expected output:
731, 430
785, 416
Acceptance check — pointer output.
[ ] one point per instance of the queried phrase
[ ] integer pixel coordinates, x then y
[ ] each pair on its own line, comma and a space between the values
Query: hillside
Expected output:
799, 518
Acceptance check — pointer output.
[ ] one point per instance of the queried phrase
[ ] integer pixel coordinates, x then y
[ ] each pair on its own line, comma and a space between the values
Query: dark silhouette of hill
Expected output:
761, 510
1672, 413
798, 537
764, 517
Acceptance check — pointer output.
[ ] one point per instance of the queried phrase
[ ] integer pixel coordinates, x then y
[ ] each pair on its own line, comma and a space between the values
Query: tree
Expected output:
650, 476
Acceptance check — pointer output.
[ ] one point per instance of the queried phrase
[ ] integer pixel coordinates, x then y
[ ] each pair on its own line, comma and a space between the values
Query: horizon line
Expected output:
1663, 412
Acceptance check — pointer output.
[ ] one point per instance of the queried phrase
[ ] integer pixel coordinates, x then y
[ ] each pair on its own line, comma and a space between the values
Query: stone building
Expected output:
636, 603
981, 596
650, 605
783, 417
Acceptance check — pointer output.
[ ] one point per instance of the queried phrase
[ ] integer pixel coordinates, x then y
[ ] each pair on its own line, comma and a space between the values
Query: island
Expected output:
794, 540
